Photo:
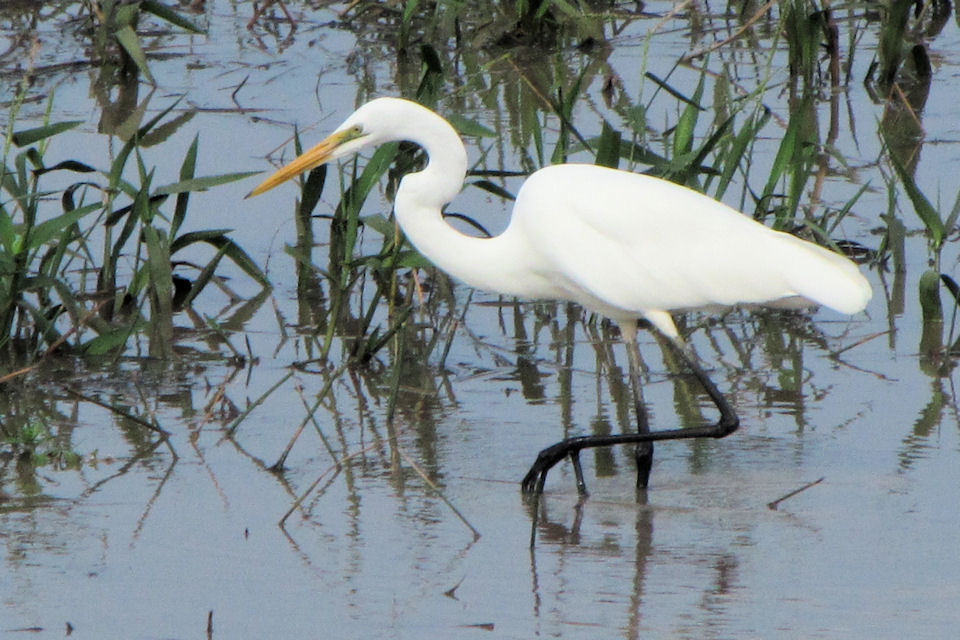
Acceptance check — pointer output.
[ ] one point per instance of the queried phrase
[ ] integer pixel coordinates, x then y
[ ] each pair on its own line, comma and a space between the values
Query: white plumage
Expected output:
625, 245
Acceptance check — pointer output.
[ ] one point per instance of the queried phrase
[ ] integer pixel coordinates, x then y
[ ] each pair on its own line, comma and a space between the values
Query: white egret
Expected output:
625, 245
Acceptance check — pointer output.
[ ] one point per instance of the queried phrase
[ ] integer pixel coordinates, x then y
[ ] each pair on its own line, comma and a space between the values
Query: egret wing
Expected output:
627, 244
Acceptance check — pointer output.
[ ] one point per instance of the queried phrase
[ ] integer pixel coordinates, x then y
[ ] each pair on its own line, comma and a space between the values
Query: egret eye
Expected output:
352, 133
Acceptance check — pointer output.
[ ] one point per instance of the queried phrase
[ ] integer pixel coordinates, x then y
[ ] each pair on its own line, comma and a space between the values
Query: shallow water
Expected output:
148, 539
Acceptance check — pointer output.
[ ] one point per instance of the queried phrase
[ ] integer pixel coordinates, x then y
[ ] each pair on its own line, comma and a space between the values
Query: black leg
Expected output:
534, 480
643, 453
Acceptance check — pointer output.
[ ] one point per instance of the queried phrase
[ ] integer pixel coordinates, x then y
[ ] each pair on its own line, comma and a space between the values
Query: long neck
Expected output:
484, 263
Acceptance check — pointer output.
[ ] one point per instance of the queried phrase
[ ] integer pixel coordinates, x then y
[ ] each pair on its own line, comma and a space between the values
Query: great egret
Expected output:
625, 245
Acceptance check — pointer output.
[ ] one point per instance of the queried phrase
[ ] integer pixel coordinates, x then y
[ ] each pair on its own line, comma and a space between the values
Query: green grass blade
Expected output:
115, 176
205, 276
470, 128
494, 188
48, 229
202, 184
686, 127
925, 211
163, 132
737, 151
673, 92
188, 170
608, 149
66, 165
312, 190
210, 236
954, 214
130, 42
29, 136
696, 163
167, 14
110, 340
370, 176
161, 292
228, 247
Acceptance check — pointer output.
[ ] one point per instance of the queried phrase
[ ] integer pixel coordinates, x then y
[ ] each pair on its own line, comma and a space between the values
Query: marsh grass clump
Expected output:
55, 291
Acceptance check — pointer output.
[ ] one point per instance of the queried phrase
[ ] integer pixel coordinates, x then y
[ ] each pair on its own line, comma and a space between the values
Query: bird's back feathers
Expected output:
627, 244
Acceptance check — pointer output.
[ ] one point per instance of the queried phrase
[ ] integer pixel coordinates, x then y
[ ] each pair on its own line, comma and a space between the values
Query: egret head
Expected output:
371, 124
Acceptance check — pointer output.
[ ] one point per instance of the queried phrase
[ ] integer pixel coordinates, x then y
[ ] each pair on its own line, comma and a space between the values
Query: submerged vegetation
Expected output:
98, 257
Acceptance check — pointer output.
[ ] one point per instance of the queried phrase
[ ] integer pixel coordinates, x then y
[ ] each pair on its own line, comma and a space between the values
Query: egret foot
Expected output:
537, 475
644, 438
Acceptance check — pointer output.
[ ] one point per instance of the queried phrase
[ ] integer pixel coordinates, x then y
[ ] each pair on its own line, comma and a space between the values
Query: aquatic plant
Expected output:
43, 305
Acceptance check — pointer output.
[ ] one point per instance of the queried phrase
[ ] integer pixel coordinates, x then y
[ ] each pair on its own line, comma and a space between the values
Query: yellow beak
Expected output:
314, 157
